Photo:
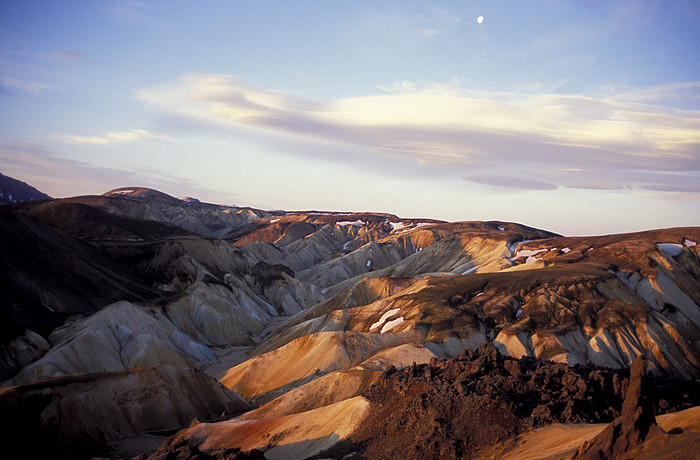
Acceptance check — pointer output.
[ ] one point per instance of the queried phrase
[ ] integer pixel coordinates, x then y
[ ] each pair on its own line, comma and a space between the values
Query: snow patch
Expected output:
122, 192
566, 250
471, 270
354, 223
385, 317
531, 260
688, 243
529, 253
369, 262
345, 245
424, 224
513, 247
518, 313
274, 220
391, 324
501, 229
397, 226
672, 249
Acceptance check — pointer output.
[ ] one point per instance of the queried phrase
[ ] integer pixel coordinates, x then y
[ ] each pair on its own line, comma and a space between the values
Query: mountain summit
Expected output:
15, 191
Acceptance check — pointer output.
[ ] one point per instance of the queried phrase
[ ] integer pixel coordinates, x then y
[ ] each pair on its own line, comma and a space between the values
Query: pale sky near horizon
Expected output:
579, 117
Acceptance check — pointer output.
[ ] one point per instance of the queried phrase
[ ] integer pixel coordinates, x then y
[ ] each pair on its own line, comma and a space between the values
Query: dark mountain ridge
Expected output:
16, 191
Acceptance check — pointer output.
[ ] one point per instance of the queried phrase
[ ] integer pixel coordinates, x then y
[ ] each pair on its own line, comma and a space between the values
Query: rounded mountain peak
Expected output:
138, 192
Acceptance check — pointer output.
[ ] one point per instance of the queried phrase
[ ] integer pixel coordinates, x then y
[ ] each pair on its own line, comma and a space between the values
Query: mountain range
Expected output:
139, 324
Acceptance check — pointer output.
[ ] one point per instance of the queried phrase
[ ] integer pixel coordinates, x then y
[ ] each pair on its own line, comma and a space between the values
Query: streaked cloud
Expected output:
523, 183
123, 137
133, 11
70, 55
61, 177
536, 141
30, 86
379, 31
611, 18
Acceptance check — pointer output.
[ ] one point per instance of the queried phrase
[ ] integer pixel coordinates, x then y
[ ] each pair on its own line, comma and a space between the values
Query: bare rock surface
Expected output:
287, 437
635, 430
454, 408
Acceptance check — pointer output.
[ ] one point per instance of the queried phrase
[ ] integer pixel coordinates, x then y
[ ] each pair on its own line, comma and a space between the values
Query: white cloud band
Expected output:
540, 141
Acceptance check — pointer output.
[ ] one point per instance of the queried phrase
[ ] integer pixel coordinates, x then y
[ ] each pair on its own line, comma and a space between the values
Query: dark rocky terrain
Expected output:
15, 191
363, 333
454, 408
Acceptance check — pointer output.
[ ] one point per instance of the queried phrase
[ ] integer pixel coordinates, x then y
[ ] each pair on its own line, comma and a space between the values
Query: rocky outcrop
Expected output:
454, 408
626, 435
447, 408
20, 352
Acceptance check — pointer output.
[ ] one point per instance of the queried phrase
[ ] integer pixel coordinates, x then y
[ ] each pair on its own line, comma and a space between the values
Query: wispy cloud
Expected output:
123, 137
30, 86
610, 18
523, 183
61, 177
381, 31
533, 141
133, 11
70, 55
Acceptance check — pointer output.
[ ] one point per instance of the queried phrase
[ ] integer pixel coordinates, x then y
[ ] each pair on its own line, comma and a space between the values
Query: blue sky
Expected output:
580, 117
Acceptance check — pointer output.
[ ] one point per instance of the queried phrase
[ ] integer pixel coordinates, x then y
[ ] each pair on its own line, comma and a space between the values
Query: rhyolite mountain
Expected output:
127, 315
16, 191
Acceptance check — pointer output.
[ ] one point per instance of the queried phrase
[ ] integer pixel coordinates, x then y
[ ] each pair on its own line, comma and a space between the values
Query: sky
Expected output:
578, 117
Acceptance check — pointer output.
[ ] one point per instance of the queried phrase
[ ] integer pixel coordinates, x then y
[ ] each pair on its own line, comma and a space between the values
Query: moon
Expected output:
480, 19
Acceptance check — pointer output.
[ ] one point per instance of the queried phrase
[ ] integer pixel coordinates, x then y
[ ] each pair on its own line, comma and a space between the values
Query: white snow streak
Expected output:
397, 226
529, 252
384, 317
514, 246
391, 324
354, 223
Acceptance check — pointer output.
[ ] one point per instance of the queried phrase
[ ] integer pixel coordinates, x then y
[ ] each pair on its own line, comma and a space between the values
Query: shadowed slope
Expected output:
46, 274
77, 415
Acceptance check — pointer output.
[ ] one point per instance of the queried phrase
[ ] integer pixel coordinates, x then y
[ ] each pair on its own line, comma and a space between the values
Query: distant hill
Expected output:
16, 191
